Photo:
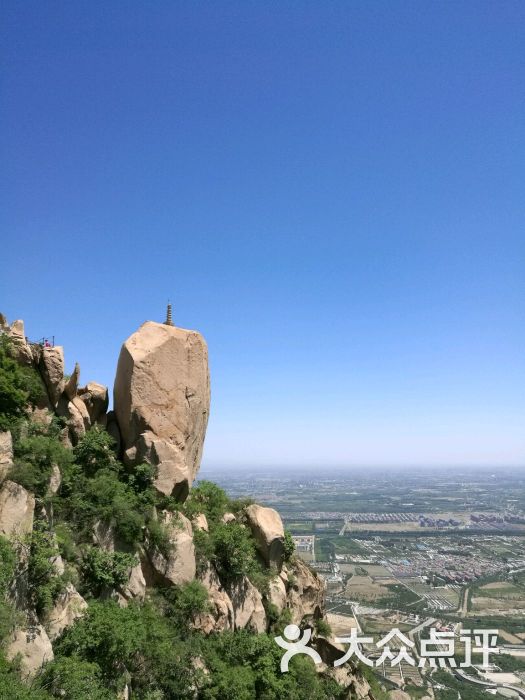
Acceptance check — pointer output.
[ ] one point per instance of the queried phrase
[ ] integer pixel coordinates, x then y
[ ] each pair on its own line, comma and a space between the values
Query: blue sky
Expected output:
331, 192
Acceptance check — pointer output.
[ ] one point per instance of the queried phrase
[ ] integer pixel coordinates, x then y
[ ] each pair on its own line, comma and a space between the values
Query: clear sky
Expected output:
332, 192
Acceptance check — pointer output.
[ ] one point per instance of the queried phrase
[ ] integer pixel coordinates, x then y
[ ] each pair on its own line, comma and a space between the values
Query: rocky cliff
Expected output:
98, 515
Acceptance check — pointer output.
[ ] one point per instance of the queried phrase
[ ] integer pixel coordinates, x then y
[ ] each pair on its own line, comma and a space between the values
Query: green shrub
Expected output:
245, 665
44, 584
12, 688
204, 551
70, 678
7, 565
95, 452
182, 603
104, 497
233, 550
289, 546
19, 386
135, 641
66, 542
35, 456
7, 572
159, 538
207, 498
322, 627
102, 569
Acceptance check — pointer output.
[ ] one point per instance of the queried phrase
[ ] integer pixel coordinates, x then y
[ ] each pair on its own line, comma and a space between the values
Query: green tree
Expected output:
95, 452
207, 498
35, 456
102, 569
44, 582
234, 550
70, 678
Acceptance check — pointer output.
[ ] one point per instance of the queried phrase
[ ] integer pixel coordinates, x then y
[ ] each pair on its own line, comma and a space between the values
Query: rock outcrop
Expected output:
267, 528
177, 566
71, 387
17, 507
277, 593
248, 608
306, 592
33, 648
96, 398
68, 607
21, 348
52, 371
162, 398
6, 454
219, 615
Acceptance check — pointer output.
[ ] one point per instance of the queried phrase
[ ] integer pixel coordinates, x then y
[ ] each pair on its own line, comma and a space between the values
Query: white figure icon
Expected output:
293, 647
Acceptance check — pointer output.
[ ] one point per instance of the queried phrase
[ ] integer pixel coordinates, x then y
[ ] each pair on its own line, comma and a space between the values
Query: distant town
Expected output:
410, 550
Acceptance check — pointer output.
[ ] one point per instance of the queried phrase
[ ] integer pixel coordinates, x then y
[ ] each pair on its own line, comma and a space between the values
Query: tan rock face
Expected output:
306, 592
96, 398
33, 646
179, 566
200, 522
17, 507
162, 398
21, 348
135, 588
52, 371
267, 528
6, 454
248, 606
277, 593
71, 386
220, 615
77, 416
54, 480
69, 606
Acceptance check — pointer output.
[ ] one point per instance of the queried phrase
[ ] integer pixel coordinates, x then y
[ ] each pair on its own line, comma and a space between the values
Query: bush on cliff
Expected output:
207, 498
101, 569
19, 386
44, 583
234, 551
35, 455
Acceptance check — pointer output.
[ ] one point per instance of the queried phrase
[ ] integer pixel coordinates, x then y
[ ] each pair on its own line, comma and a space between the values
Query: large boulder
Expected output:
17, 507
52, 371
96, 398
68, 607
33, 649
6, 454
178, 565
162, 400
267, 528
